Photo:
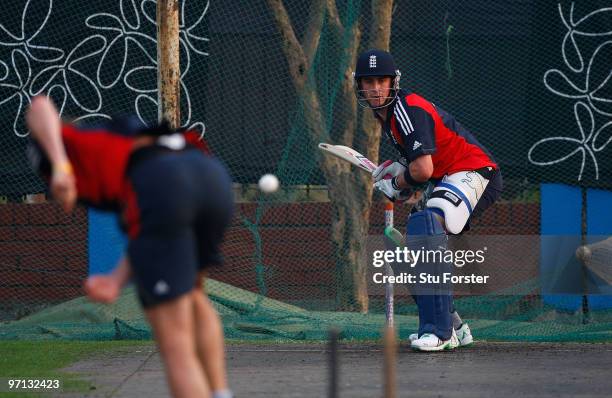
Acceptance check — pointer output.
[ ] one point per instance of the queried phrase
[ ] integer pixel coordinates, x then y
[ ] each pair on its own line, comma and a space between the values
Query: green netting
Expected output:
249, 316
266, 81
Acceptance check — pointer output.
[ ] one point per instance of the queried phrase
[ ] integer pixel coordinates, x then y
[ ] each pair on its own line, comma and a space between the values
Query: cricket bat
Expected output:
350, 155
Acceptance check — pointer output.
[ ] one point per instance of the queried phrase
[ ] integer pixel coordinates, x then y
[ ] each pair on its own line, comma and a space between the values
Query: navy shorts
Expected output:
491, 194
180, 207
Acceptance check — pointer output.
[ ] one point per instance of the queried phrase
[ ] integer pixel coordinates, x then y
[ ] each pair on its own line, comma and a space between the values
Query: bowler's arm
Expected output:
45, 126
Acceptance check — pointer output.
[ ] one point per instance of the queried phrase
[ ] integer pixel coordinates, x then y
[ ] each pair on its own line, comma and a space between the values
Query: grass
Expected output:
46, 359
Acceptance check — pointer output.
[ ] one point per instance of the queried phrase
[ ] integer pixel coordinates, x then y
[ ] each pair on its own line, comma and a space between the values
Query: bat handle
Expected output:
389, 305
389, 214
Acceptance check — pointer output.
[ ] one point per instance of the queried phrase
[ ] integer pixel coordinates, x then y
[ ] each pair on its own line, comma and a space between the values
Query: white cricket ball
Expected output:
583, 253
268, 183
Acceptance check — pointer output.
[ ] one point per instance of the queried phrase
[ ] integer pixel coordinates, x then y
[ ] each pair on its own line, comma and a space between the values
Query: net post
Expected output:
584, 229
334, 335
168, 65
389, 364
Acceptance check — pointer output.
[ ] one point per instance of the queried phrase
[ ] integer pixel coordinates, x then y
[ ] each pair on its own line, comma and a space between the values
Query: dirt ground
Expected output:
485, 369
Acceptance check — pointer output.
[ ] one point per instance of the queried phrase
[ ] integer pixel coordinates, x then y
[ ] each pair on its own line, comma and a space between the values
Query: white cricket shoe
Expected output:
464, 335
431, 342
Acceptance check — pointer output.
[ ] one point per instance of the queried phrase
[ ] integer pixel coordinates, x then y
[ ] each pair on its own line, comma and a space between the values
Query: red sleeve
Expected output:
418, 115
193, 138
99, 159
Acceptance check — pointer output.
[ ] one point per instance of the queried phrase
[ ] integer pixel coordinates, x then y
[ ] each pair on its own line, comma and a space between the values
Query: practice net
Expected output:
265, 82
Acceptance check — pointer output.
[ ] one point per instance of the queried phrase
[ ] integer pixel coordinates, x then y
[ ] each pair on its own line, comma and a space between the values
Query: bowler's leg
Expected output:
209, 340
174, 328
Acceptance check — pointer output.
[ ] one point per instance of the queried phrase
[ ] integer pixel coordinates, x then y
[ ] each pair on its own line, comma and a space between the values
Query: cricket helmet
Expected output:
375, 62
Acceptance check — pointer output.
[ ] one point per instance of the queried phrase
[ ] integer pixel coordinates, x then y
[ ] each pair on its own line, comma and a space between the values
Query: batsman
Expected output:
434, 149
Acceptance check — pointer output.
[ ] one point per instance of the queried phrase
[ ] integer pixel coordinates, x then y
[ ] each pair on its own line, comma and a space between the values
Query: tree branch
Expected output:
348, 93
313, 30
291, 46
380, 36
332, 14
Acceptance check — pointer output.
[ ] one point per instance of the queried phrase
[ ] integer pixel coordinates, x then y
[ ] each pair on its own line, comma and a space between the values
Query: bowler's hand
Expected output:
63, 186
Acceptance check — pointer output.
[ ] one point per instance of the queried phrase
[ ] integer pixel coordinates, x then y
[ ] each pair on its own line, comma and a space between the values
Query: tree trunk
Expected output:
350, 190
168, 66
380, 37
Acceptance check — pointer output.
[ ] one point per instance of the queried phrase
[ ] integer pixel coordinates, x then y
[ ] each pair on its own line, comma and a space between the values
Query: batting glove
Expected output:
389, 169
390, 189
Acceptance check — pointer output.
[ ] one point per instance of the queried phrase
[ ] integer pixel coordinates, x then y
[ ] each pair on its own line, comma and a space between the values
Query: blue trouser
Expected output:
433, 297
434, 300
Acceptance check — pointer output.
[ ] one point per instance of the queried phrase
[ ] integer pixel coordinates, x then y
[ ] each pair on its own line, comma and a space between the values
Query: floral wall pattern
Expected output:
95, 61
584, 79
